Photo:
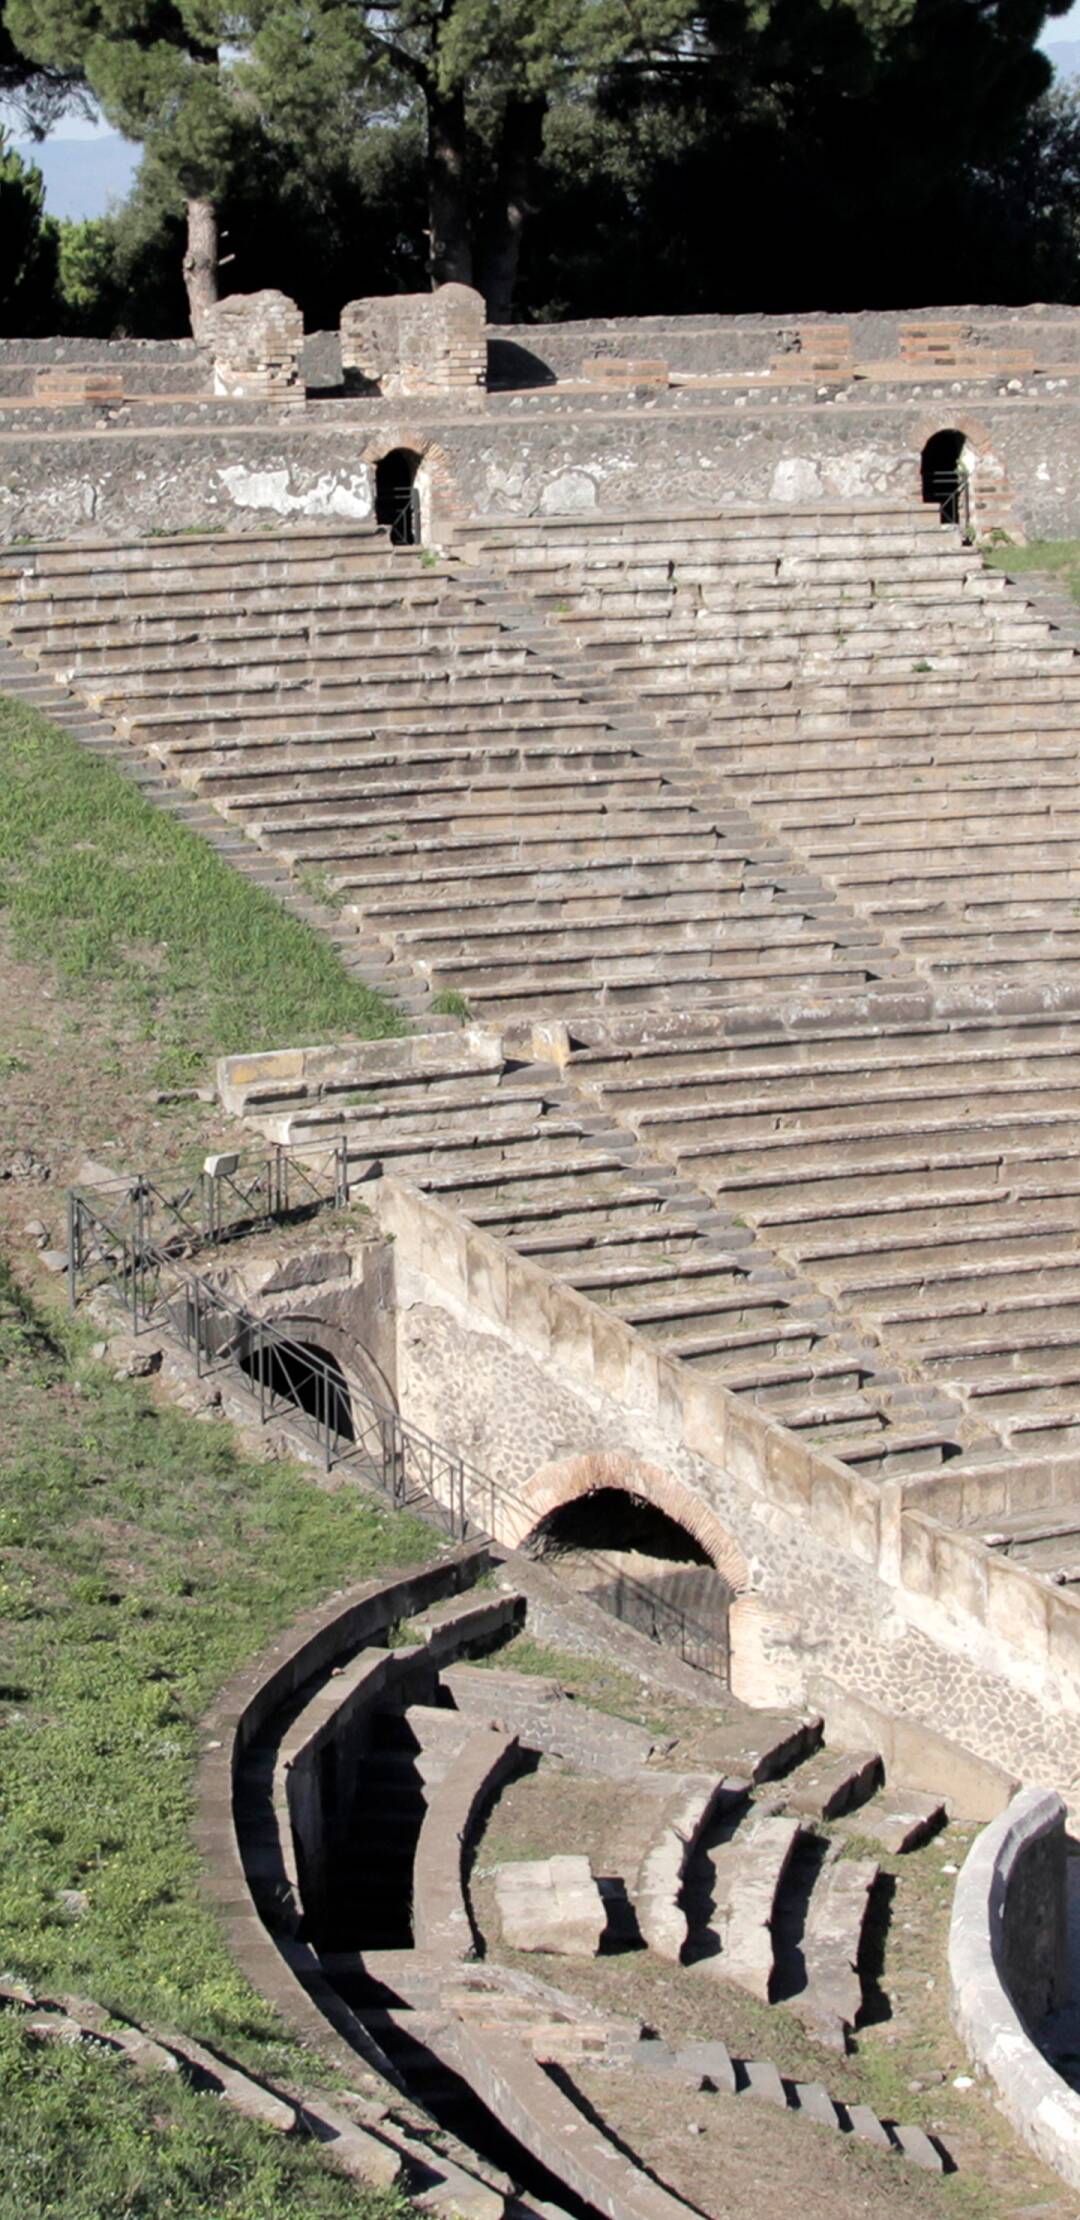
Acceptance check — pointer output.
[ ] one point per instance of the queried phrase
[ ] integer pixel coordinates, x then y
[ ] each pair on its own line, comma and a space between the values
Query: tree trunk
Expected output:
521, 141
451, 246
201, 262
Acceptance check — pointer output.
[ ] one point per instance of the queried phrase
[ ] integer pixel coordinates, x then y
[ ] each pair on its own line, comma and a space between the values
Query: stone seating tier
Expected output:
739, 761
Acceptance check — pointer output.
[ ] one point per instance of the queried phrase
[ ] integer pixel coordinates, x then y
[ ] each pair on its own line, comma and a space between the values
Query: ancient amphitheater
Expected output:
637, 709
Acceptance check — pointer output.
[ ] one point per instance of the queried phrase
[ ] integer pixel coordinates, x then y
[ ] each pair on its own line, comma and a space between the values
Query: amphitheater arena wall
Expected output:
517, 1374
1007, 1966
184, 465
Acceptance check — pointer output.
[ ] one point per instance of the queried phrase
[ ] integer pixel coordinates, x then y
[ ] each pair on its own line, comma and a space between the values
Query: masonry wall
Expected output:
188, 464
523, 1378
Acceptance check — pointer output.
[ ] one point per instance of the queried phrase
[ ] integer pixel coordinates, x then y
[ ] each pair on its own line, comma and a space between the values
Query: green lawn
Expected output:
141, 1560
99, 883
1062, 557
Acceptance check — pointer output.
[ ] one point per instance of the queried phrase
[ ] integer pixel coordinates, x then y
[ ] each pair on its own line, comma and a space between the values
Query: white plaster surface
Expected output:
283, 495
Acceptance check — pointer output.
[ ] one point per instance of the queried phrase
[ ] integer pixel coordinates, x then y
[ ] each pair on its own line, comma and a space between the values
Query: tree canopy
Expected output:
568, 156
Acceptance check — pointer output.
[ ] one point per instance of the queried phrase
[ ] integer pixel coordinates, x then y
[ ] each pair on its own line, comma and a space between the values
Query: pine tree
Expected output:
162, 73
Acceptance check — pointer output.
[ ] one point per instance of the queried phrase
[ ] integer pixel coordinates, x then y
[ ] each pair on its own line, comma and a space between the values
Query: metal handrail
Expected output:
408, 1465
952, 492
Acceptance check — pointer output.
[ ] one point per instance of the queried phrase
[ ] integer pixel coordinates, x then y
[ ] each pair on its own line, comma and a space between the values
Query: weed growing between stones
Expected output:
99, 883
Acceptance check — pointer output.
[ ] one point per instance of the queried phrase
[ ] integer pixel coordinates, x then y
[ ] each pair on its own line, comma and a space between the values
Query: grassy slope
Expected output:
97, 881
141, 1558
1061, 557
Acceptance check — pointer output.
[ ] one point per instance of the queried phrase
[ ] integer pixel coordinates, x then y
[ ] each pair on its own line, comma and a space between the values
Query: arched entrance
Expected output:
302, 1372
397, 503
642, 1544
945, 470
643, 1566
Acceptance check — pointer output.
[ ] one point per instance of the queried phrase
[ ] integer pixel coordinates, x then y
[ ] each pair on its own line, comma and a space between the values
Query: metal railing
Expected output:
952, 492
289, 1379
211, 1207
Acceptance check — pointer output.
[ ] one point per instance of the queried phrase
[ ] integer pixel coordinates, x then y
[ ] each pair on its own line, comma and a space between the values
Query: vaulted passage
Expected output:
643, 1567
302, 1373
397, 503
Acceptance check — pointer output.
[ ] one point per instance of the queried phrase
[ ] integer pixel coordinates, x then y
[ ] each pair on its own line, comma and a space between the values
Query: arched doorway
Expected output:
397, 501
946, 477
635, 1560
288, 1370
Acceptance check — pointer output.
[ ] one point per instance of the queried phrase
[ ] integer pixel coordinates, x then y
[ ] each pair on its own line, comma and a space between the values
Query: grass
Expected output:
1060, 557
82, 2140
98, 883
142, 1559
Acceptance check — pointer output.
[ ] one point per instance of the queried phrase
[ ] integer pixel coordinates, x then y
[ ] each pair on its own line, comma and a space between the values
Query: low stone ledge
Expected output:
982, 1950
442, 1919
663, 1868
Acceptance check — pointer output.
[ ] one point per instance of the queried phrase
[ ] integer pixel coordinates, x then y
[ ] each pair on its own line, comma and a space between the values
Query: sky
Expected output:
87, 167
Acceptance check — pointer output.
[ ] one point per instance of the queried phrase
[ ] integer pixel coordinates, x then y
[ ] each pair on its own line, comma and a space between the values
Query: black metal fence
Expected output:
110, 1242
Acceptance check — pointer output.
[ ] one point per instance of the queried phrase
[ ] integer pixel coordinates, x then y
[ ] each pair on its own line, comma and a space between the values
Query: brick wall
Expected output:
257, 340
416, 345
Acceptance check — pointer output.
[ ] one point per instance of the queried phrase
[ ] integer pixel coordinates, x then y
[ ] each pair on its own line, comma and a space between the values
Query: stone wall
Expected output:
1047, 336
690, 411
193, 466
522, 1377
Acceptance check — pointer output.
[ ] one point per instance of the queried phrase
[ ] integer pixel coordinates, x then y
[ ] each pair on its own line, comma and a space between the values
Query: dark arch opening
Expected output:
302, 1373
644, 1567
944, 479
397, 502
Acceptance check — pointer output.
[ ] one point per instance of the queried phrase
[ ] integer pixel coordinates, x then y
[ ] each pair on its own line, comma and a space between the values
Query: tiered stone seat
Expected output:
872, 697
922, 1178
372, 713
520, 1153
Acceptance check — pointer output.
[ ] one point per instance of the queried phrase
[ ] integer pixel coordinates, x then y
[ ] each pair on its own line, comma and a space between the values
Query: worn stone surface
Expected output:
551, 1904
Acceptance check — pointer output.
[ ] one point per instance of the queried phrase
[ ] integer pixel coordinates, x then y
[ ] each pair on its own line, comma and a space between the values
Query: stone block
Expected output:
919, 2147
866, 2125
712, 2061
551, 1904
815, 2102
763, 2081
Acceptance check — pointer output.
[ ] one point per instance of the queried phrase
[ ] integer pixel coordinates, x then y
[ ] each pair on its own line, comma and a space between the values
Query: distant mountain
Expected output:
1065, 58
82, 176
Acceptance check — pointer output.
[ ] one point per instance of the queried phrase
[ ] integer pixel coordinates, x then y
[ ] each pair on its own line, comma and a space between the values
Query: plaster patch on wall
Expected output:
865, 470
571, 490
328, 495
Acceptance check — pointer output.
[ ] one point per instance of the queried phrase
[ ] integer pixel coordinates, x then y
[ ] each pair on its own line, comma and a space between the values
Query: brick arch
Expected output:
363, 1376
557, 1484
439, 499
991, 493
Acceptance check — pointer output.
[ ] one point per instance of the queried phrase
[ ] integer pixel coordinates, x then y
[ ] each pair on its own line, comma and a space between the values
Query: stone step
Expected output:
830, 2003
897, 1820
834, 1782
748, 1874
